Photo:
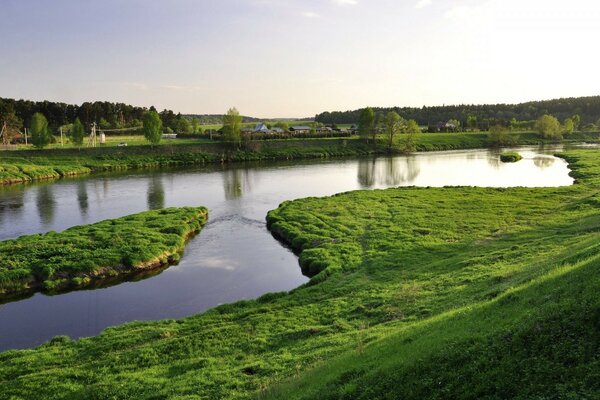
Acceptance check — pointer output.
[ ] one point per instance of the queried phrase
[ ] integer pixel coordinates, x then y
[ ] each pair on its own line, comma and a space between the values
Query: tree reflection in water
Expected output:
392, 171
45, 203
156, 193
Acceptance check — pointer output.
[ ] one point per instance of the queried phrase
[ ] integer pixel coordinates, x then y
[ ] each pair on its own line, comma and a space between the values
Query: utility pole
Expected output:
25, 136
61, 137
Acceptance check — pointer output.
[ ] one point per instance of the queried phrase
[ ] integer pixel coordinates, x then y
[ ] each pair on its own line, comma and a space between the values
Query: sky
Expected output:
296, 58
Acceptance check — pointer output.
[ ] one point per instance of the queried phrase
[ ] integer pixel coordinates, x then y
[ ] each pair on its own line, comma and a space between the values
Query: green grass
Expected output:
415, 293
510, 157
83, 255
27, 165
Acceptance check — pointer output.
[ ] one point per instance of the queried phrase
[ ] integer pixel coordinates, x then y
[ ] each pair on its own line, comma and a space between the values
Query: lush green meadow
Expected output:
83, 255
417, 293
31, 165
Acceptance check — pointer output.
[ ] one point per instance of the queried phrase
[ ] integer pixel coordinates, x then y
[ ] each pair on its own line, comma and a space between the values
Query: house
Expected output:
300, 129
277, 130
261, 128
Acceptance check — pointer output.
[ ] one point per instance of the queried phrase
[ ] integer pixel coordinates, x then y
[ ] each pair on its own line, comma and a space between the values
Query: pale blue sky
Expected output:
298, 57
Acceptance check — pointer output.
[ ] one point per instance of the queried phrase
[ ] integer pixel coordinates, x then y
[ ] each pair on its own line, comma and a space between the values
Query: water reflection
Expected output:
45, 203
366, 173
543, 162
236, 183
156, 193
82, 197
393, 171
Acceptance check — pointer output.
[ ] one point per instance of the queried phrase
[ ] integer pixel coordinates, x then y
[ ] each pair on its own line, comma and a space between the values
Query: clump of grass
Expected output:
83, 254
510, 157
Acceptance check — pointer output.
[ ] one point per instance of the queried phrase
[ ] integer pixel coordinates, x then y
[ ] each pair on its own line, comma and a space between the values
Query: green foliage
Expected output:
549, 127
40, 134
77, 132
12, 125
393, 123
568, 126
500, 136
472, 122
411, 129
510, 157
366, 123
82, 254
152, 127
232, 127
184, 126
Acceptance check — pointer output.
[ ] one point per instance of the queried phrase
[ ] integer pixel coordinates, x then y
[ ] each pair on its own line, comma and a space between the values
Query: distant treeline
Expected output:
588, 108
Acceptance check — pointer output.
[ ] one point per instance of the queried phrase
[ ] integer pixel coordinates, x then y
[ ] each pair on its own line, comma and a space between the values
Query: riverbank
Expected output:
86, 255
412, 288
33, 165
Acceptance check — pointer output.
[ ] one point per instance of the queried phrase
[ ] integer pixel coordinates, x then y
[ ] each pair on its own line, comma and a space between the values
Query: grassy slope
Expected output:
447, 292
23, 166
80, 255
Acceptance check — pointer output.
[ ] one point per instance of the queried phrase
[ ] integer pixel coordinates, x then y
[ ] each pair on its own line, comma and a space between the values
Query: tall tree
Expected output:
472, 122
11, 125
152, 127
568, 126
392, 126
40, 134
411, 128
366, 123
549, 127
77, 132
576, 121
232, 127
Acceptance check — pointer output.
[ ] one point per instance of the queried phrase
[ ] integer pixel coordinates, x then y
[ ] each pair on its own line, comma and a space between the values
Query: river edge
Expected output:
46, 165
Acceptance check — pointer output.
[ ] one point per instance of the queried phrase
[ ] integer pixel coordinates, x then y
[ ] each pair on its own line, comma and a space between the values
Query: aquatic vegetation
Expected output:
82, 255
510, 157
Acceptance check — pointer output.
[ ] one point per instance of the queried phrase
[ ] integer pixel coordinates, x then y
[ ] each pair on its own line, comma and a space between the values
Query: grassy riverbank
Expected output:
83, 255
31, 165
416, 293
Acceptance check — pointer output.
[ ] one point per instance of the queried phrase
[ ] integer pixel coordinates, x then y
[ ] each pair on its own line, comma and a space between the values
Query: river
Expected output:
234, 257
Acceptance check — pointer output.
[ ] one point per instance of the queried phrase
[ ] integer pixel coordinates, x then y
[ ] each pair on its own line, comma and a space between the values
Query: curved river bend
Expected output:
234, 257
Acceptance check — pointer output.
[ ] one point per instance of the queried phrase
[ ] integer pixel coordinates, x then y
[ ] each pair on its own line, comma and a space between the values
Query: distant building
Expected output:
169, 136
300, 129
261, 128
277, 130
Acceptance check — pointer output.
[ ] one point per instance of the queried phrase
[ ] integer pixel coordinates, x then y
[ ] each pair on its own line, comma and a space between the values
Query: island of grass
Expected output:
416, 293
510, 157
84, 255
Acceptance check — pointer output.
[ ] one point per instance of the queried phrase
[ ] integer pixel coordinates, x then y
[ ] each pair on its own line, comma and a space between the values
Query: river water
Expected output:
234, 257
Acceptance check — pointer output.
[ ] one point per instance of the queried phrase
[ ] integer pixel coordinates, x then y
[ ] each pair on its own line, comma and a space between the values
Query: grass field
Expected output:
82, 255
416, 293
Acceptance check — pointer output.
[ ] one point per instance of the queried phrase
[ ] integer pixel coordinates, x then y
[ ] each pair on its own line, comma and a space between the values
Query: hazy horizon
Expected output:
273, 59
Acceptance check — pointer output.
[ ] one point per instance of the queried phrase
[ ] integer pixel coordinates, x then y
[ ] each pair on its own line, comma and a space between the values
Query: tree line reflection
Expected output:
393, 171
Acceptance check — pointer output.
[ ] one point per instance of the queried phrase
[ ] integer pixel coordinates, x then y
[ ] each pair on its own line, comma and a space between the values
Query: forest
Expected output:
486, 115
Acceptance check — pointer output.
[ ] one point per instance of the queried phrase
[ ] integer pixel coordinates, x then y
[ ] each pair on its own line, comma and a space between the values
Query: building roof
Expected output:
300, 128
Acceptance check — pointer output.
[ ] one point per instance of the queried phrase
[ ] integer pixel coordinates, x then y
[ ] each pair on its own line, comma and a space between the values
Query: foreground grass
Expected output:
82, 255
31, 165
416, 293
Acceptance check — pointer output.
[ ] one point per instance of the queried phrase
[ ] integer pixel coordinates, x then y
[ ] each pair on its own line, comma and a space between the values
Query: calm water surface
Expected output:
234, 257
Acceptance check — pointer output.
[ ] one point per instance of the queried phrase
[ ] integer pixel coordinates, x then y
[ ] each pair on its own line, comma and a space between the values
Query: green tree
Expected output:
184, 126
104, 124
77, 132
568, 126
411, 129
152, 127
232, 127
195, 125
576, 121
282, 125
366, 123
40, 134
549, 127
392, 126
11, 125
498, 136
456, 124
472, 122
